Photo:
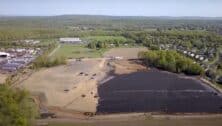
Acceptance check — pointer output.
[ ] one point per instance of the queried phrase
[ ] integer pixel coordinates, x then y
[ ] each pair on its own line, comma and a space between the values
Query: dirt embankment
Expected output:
126, 66
125, 53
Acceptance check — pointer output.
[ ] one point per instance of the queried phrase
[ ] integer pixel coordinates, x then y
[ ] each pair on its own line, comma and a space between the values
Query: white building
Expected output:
70, 40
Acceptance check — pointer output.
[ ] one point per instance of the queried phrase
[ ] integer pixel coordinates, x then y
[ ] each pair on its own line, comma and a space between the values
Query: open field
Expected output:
72, 87
76, 51
126, 53
2, 78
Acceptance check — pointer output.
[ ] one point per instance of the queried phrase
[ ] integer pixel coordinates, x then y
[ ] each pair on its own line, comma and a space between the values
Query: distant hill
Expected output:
111, 22
114, 17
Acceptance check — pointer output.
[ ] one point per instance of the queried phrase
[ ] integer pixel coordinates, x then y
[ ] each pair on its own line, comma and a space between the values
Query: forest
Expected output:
171, 61
14, 28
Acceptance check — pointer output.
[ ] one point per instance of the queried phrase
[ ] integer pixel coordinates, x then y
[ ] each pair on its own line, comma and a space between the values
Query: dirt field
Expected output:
126, 67
73, 86
2, 78
126, 53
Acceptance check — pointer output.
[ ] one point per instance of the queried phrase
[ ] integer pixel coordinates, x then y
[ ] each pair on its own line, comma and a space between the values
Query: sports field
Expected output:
77, 51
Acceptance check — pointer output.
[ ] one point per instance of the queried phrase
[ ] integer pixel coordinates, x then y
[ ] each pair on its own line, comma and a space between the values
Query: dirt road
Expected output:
54, 50
139, 119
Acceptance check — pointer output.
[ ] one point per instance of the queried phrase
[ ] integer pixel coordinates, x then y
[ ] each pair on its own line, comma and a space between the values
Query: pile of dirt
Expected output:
127, 66
125, 53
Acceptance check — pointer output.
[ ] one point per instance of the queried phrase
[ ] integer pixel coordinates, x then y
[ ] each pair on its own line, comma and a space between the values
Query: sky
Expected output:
203, 8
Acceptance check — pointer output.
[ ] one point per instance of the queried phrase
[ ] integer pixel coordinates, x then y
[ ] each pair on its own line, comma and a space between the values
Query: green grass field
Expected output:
76, 51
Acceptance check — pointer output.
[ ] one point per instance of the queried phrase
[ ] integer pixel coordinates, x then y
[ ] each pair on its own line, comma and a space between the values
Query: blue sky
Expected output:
206, 8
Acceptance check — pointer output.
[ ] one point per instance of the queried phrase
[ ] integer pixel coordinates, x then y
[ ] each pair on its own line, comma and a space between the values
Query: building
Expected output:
71, 40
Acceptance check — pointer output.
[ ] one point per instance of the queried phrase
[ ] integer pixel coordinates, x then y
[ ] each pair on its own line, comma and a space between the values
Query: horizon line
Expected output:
5, 15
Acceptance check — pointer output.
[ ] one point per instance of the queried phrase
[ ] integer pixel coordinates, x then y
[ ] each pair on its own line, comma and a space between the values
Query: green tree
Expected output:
171, 61
16, 109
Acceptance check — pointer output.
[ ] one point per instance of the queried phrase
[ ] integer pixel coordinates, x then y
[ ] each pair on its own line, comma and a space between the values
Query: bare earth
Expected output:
126, 53
66, 88
126, 67
2, 78
73, 87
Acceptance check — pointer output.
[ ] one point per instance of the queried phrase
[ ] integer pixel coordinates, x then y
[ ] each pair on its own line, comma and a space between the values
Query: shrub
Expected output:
45, 61
16, 109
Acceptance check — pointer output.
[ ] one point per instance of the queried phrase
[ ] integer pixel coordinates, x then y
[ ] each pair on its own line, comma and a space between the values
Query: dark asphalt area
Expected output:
157, 91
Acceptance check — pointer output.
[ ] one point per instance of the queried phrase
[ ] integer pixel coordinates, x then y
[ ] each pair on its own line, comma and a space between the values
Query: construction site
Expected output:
89, 86
74, 87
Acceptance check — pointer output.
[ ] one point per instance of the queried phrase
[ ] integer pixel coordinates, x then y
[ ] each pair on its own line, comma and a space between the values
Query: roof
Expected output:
70, 39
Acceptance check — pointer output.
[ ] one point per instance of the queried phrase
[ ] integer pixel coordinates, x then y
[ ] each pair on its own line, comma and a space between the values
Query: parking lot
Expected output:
12, 59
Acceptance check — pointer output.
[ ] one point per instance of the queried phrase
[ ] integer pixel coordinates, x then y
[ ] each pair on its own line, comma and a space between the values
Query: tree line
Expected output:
171, 61
187, 39
98, 42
